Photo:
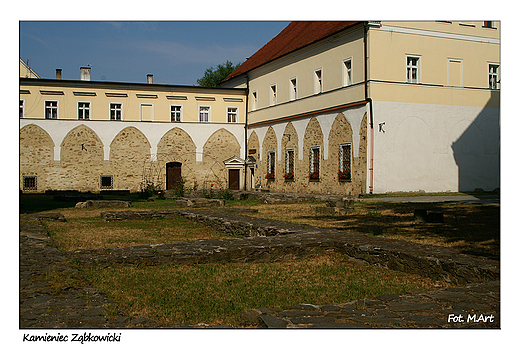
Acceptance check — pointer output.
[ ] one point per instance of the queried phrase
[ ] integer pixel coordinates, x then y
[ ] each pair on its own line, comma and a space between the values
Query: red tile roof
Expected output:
295, 36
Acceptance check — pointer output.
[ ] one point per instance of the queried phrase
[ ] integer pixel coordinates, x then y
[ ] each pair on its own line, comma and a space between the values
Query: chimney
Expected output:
85, 73
58, 73
149, 78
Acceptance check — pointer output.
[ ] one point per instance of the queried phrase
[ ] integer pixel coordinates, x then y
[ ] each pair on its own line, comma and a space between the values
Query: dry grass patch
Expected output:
216, 294
470, 228
85, 229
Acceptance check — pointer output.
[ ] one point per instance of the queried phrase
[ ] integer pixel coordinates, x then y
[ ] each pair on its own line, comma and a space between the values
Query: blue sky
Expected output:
175, 52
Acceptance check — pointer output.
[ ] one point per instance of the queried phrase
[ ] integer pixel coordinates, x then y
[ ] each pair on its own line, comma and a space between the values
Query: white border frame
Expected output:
237, 114
419, 68
89, 108
24, 107
57, 108
450, 59
141, 104
318, 82
345, 71
273, 95
182, 113
209, 113
293, 88
122, 110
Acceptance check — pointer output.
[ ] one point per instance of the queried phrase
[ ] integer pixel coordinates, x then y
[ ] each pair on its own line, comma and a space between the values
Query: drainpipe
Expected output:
245, 133
371, 112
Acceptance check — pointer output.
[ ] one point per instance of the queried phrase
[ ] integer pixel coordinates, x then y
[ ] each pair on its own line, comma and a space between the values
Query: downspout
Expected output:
245, 133
371, 112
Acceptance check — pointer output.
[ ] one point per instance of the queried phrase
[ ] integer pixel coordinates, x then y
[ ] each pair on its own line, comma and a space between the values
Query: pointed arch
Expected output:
81, 147
221, 145
36, 146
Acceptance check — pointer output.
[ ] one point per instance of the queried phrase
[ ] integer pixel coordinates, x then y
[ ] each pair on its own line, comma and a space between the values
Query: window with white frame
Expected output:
270, 162
493, 75
232, 114
83, 110
347, 72
22, 108
273, 94
175, 113
204, 113
289, 164
345, 161
412, 69
293, 93
318, 81
51, 109
314, 163
116, 111
254, 100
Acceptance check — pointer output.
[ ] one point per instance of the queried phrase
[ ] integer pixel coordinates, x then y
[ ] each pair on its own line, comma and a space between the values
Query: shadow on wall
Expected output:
477, 150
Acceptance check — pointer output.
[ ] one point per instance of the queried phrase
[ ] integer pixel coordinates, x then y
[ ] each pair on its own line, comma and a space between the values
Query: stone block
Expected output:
103, 204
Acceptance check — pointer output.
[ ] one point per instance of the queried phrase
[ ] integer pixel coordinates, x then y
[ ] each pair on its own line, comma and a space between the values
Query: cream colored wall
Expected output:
100, 103
326, 55
26, 72
436, 43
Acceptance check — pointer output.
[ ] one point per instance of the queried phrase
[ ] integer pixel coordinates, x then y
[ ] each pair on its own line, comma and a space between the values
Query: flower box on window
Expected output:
289, 177
269, 176
344, 176
314, 176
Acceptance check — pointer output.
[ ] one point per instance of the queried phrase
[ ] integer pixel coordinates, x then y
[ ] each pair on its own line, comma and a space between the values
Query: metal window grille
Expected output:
345, 152
270, 161
314, 161
106, 182
29, 183
289, 161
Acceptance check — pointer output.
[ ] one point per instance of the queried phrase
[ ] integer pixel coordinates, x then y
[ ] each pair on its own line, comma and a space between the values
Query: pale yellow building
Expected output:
89, 136
357, 107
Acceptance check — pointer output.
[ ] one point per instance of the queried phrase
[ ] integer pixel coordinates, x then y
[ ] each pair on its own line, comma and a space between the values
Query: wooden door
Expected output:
173, 175
234, 179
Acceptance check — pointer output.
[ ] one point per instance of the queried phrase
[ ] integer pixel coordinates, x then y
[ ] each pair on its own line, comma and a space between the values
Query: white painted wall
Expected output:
107, 131
435, 147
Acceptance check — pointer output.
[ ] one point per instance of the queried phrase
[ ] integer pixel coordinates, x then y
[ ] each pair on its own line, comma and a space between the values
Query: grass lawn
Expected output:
470, 228
216, 294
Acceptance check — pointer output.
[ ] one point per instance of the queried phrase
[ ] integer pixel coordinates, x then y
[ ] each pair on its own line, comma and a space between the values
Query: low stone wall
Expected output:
103, 204
267, 241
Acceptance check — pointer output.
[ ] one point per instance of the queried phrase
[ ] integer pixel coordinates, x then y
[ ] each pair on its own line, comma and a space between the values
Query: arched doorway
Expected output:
173, 175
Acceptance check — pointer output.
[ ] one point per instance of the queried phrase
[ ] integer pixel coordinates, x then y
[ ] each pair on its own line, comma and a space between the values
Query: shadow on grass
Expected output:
469, 228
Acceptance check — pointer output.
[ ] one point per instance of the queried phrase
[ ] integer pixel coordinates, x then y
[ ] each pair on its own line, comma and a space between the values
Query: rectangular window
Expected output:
83, 110
494, 80
176, 113
204, 113
318, 82
22, 108
347, 72
314, 163
293, 89
232, 115
106, 182
345, 161
488, 24
270, 162
273, 94
255, 101
412, 69
289, 164
51, 109
29, 183
116, 111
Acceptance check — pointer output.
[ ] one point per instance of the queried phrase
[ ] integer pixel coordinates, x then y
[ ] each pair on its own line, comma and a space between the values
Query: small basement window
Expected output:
106, 182
29, 183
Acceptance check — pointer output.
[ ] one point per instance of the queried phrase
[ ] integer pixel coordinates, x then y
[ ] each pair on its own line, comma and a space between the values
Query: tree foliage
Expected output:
213, 76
